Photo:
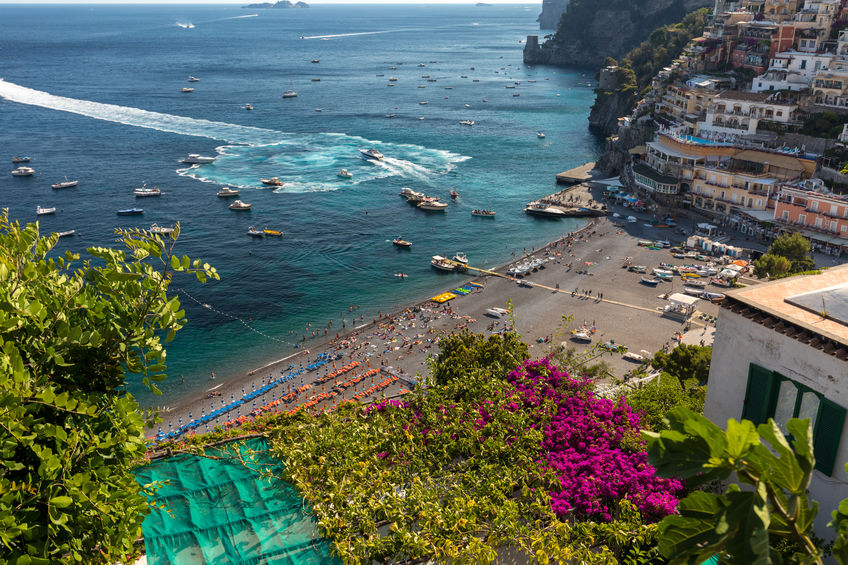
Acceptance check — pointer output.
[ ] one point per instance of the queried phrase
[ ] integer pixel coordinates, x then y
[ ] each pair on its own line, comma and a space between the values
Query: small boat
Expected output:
496, 312
239, 205
226, 192
289, 94
433, 205
372, 154
248, 107
516, 94
144, 192
39, 211
662, 273
345, 174
188, 89
20, 159
401, 275
442, 263
23, 172
467, 122
454, 194
315, 61
164, 230
131, 212
272, 233
193, 79
273, 181
483, 213
400, 242
390, 115
540, 135
65, 233
316, 79
650, 282
688, 281
255, 232
423, 102
412, 195
580, 336
64, 184
392, 79
460, 257
635, 357
195, 159
319, 109
542, 209
638, 269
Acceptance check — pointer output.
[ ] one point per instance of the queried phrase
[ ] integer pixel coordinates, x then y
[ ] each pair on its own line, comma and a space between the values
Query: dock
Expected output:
577, 175
575, 201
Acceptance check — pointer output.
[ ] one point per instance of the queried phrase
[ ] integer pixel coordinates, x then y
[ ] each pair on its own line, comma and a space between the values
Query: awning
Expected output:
679, 299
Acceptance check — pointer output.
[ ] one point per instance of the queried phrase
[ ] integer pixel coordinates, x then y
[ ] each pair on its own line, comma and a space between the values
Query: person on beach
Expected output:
212, 375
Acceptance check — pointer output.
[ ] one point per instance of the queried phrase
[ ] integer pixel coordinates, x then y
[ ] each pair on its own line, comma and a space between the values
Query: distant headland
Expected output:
280, 4
482, 4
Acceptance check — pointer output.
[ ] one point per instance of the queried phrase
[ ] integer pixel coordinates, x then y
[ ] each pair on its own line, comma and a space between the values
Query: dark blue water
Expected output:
93, 92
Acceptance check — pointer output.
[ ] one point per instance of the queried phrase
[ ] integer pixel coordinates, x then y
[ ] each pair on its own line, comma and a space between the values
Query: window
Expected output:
803, 62
785, 216
771, 395
802, 218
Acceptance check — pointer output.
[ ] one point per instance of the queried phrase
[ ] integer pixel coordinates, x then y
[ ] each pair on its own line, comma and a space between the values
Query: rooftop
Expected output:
743, 95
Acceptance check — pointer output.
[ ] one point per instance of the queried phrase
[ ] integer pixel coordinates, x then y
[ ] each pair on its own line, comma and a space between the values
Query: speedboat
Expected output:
273, 181
542, 209
540, 135
467, 122
635, 357
272, 233
255, 232
315, 61
412, 195
345, 174
316, 79
442, 263
483, 213
496, 312
239, 205
400, 242
131, 212
65, 233
289, 94
460, 258
20, 159
39, 211
392, 79
23, 172
164, 230
188, 89
143, 192
226, 192
195, 159
423, 102
433, 205
650, 282
193, 79
454, 194
372, 154
401, 275
64, 184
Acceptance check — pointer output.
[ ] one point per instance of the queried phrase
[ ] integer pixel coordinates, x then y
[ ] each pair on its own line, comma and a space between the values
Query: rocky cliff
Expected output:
608, 107
591, 30
552, 11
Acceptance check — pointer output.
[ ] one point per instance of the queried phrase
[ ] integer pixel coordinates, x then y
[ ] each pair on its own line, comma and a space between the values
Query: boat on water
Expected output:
460, 257
316, 61
188, 89
316, 79
64, 184
39, 211
542, 209
650, 282
392, 79
23, 172
400, 242
433, 205
401, 275
20, 159
442, 263
272, 233
65, 233
423, 102
289, 94
162, 230
248, 107
195, 159
227, 192
273, 181
239, 205
454, 194
255, 232
467, 122
412, 196
131, 212
371, 154
345, 174
540, 134
193, 79
144, 192
483, 213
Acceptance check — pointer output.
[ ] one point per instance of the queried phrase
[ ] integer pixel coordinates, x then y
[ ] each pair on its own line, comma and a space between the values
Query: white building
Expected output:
781, 351
792, 70
735, 112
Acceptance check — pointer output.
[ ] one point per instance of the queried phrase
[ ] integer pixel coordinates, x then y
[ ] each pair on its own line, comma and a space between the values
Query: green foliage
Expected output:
69, 433
789, 254
740, 525
824, 124
685, 362
773, 266
610, 62
466, 353
657, 398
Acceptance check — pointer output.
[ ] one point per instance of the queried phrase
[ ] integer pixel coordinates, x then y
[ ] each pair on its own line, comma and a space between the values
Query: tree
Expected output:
70, 333
463, 353
685, 362
796, 248
657, 398
774, 266
610, 62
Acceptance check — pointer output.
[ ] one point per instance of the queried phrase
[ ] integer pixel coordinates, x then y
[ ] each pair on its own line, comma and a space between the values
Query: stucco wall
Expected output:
738, 342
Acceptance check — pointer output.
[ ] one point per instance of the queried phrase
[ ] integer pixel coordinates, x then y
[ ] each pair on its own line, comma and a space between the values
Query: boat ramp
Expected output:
577, 175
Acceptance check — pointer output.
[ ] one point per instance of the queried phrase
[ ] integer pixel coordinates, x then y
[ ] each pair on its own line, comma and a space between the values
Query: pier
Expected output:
577, 175
575, 201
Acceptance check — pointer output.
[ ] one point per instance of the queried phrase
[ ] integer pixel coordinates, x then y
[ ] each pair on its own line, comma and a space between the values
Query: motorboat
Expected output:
390, 115
496, 312
400, 242
39, 211
423, 103
693, 291
401, 275
483, 213
542, 209
239, 205
255, 232
649, 281
315, 61
227, 192
510, 86
345, 174
316, 79
413, 196
467, 122
273, 181
193, 79
540, 135
638, 269
143, 191
688, 281
516, 94
195, 159
162, 230
131, 212
65, 233
454, 194
319, 109
248, 107
392, 79
20, 159
23, 172
442, 263
188, 89
460, 257
635, 357
272, 233
289, 94
433, 205
64, 184
526, 283
662, 273
371, 154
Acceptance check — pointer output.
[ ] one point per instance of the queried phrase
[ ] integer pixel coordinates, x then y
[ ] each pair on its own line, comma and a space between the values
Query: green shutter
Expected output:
760, 395
827, 435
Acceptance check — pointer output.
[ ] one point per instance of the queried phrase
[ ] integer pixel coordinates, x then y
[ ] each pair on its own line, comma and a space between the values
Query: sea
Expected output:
94, 93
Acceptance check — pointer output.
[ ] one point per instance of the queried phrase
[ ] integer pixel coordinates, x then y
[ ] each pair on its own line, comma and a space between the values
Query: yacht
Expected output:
400, 242
255, 232
483, 213
226, 192
409, 194
131, 212
23, 172
433, 205
542, 209
188, 89
460, 257
163, 230
64, 184
195, 159
289, 94
540, 135
239, 205
372, 154
20, 159
193, 79
273, 181
143, 191
442, 263
345, 174
39, 211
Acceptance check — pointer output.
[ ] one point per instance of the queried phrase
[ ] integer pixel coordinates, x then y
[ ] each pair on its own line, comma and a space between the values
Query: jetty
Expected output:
577, 175
575, 201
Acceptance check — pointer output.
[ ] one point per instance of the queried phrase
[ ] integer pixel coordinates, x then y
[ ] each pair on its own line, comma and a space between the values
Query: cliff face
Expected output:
552, 11
591, 30
607, 109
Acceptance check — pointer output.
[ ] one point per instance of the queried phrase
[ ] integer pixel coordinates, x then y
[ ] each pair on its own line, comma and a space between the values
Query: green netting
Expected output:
222, 511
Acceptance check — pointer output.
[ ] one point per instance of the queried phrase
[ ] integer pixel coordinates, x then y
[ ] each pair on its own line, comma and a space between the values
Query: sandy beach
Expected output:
582, 285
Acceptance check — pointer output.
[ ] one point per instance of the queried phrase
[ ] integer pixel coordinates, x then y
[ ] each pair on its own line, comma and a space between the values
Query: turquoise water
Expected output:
93, 92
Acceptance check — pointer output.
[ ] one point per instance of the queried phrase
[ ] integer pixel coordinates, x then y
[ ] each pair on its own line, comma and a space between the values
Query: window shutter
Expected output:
827, 435
760, 395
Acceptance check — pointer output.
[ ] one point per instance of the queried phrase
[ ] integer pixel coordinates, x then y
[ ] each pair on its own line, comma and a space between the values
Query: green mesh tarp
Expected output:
222, 511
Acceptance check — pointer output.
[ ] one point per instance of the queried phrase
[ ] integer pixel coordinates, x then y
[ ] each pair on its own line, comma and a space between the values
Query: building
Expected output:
830, 88
735, 112
759, 41
781, 351
792, 70
810, 209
